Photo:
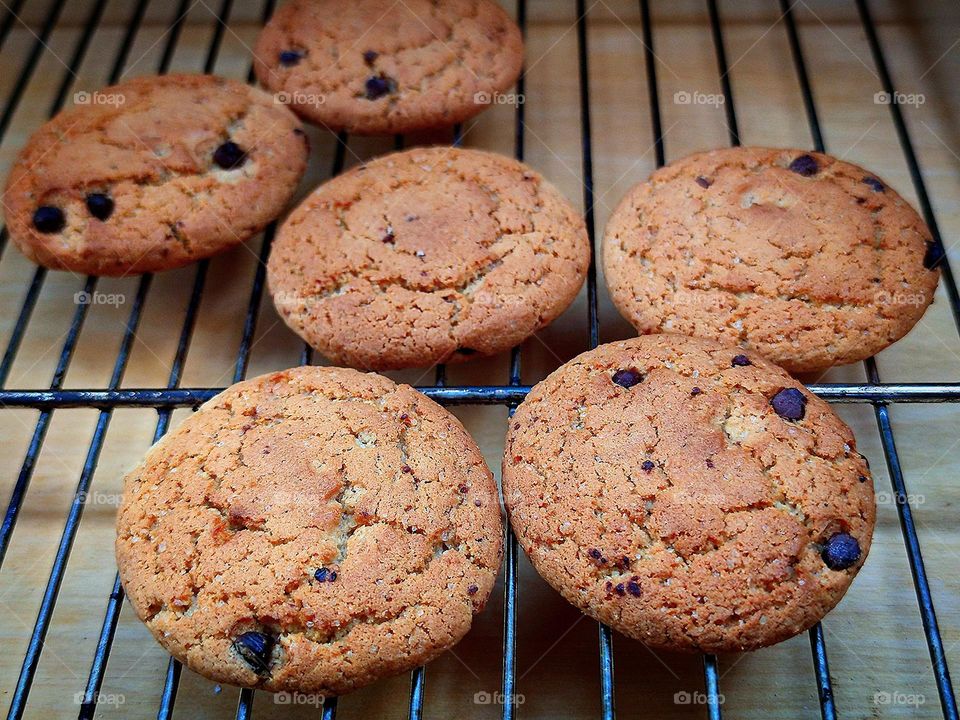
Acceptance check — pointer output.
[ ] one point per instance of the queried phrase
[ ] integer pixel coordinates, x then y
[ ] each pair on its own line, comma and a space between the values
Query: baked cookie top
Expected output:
427, 256
691, 495
807, 259
152, 174
380, 67
311, 530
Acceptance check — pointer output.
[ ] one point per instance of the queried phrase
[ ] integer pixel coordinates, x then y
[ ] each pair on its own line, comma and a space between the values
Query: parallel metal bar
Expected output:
711, 677
818, 647
913, 164
721, 51
9, 19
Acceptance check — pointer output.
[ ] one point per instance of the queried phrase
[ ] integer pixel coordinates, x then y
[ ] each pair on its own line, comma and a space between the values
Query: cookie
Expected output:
690, 495
381, 67
427, 256
804, 258
152, 174
311, 531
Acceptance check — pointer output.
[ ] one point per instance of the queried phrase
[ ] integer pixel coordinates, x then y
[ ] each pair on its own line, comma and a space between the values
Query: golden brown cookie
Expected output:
152, 174
427, 256
380, 67
690, 495
311, 530
807, 259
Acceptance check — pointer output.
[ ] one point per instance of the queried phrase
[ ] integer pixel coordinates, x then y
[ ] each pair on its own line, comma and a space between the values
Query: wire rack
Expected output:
877, 394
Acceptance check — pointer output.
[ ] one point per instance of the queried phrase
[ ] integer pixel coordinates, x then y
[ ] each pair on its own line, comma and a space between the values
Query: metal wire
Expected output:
165, 400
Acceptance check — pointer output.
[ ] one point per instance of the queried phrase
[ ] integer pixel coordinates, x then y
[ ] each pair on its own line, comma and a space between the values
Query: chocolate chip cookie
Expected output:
152, 174
310, 531
381, 67
427, 256
807, 259
691, 495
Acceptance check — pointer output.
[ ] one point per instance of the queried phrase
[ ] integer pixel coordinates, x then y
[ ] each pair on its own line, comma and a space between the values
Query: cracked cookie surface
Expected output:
804, 258
381, 67
427, 256
691, 496
153, 174
311, 530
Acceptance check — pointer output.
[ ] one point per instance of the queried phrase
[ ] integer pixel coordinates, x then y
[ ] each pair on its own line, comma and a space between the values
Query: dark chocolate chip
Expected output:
388, 237
740, 361
288, 58
648, 466
595, 554
840, 551
862, 478
931, 259
627, 377
48, 219
619, 589
254, 648
696, 391
369, 56
472, 590
321, 575
229, 155
874, 184
633, 588
333, 576
379, 85
805, 165
704, 182
710, 464
790, 404
100, 205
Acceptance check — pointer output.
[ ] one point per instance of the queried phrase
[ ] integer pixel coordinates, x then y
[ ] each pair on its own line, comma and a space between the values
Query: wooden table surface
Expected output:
874, 638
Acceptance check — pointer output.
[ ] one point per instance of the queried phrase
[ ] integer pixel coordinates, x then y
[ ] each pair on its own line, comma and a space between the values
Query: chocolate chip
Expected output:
710, 464
648, 466
333, 576
627, 377
472, 590
407, 469
696, 391
840, 551
48, 219
379, 85
369, 56
874, 184
703, 182
321, 575
931, 259
595, 554
288, 58
633, 588
740, 361
862, 478
805, 165
254, 648
100, 205
388, 237
620, 589
229, 156
790, 404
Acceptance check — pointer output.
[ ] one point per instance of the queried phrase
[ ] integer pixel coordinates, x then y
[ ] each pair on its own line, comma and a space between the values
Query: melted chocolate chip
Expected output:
633, 588
48, 219
254, 648
931, 259
620, 589
790, 404
369, 56
648, 466
703, 182
379, 85
627, 377
874, 184
805, 165
229, 156
100, 205
840, 551
740, 361
288, 58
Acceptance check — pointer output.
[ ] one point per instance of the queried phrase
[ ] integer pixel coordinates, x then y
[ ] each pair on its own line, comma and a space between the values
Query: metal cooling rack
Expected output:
165, 400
